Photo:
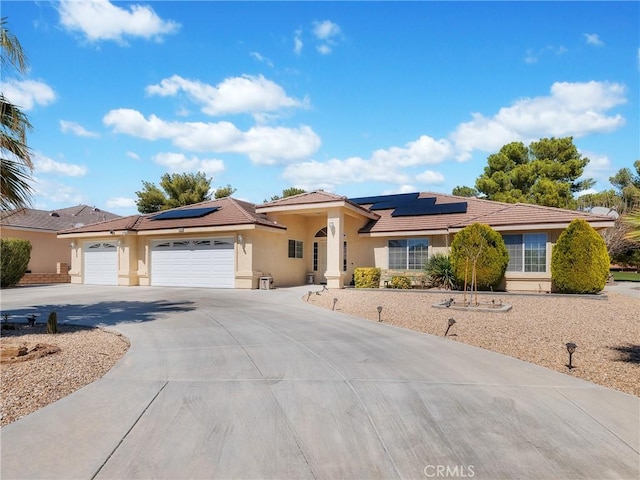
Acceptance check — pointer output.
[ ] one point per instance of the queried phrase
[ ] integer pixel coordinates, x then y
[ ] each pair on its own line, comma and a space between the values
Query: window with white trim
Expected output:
295, 249
408, 253
527, 252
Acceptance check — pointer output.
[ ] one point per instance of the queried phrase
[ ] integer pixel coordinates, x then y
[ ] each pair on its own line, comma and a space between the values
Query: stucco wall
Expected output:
46, 250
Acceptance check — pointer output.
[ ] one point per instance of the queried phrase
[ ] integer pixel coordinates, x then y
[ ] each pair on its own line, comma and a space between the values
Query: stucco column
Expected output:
335, 238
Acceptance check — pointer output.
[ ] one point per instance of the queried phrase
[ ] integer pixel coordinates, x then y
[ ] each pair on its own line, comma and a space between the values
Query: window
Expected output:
344, 256
527, 252
408, 254
295, 249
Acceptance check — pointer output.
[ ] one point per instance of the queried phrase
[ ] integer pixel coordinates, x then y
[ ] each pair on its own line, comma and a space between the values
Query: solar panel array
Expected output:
185, 213
410, 205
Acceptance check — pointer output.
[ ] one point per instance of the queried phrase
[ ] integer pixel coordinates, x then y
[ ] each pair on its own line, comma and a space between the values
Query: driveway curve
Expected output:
258, 384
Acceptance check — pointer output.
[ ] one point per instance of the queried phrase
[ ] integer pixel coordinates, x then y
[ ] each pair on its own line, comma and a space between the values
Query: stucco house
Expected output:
315, 237
50, 255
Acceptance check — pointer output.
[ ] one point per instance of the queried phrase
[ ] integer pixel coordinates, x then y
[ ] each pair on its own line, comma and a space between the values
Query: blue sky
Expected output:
358, 98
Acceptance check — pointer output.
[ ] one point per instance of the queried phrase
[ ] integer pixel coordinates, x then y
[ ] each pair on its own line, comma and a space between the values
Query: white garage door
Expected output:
101, 263
203, 262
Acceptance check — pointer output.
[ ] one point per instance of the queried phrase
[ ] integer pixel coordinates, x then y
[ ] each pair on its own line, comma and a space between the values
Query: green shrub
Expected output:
440, 271
52, 323
367, 277
400, 281
579, 262
15, 254
485, 246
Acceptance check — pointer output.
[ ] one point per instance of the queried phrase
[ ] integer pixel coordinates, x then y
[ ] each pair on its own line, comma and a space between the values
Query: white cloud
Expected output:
384, 165
178, 162
429, 177
532, 56
47, 192
245, 94
133, 155
121, 202
327, 33
297, 42
262, 144
102, 20
262, 59
593, 39
599, 167
571, 109
44, 164
325, 30
27, 93
76, 129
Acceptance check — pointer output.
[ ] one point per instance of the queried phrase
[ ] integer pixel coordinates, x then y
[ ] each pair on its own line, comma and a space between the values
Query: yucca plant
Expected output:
440, 271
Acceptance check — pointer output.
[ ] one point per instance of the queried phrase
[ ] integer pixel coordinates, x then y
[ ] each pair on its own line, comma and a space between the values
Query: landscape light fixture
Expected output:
571, 347
335, 300
309, 296
379, 313
450, 324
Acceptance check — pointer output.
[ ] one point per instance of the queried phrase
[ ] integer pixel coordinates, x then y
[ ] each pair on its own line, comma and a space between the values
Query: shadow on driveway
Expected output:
107, 313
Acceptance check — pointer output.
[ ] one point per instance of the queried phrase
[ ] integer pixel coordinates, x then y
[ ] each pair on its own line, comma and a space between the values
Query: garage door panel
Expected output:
194, 263
100, 263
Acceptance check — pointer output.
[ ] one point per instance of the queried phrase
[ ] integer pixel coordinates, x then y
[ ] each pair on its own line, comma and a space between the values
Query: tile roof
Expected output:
53, 220
495, 214
306, 198
229, 212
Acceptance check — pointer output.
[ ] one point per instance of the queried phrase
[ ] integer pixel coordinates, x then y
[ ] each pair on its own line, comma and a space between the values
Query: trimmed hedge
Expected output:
400, 281
579, 262
492, 259
367, 277
15, 254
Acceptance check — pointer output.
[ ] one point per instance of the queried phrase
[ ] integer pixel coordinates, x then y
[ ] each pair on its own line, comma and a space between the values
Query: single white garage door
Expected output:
101, 263
206, 262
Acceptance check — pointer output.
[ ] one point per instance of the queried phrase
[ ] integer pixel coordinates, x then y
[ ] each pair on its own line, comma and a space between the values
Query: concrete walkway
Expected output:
258, 384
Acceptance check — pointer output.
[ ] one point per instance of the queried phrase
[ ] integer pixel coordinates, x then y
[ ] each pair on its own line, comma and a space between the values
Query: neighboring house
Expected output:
315, 237
40, 227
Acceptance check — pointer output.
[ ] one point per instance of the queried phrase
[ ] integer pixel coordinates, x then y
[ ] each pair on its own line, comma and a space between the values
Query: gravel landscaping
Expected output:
43, 374
606, 328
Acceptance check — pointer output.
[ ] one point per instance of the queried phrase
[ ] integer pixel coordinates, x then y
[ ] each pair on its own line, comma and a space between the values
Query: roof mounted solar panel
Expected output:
421, 207
386, 202
184, 213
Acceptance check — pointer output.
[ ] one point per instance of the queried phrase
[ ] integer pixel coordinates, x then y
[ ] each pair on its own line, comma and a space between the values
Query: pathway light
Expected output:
451, 322
571, 347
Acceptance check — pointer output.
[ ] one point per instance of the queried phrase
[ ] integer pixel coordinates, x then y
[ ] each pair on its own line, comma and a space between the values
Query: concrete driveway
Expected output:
257, 384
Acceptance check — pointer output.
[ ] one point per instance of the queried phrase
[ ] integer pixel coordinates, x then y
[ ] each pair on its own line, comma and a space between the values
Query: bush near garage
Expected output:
367, 277
15, 254
579, 262
482, 243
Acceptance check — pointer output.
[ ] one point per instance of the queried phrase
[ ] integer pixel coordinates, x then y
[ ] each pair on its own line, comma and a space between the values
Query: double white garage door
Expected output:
206, 262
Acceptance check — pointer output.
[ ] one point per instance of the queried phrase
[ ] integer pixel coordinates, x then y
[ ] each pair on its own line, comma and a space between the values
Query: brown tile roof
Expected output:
306, 198
229, 212
314, 199
53, 220
495, 214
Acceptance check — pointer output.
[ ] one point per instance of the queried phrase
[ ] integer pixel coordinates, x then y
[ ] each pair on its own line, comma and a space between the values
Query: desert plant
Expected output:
479, 257
367, 277
400, 281
440, 271
579, 262
15, 254
52, 323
